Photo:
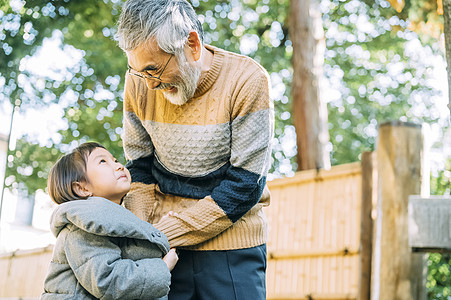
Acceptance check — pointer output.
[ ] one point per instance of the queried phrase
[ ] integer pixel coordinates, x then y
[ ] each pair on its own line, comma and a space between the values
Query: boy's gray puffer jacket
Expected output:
103, 251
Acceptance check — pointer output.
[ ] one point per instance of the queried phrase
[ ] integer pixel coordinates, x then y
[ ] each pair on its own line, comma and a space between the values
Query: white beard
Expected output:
186, 83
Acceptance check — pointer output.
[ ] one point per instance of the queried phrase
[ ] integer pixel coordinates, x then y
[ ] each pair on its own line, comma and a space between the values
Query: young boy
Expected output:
102, 250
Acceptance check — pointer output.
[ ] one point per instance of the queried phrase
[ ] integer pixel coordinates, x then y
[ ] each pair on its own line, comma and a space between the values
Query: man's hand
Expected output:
169, 214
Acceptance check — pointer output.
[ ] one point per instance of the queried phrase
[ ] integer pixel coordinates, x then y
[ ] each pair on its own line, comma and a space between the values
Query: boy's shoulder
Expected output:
102, 217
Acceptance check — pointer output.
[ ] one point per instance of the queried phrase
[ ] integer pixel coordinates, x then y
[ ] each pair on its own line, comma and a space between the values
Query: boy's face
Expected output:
107, 177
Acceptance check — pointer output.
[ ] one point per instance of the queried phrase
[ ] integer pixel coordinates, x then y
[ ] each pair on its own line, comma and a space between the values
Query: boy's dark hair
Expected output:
69, 169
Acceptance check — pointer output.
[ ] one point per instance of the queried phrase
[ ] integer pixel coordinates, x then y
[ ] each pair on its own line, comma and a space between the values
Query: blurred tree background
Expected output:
439, 265
379, 63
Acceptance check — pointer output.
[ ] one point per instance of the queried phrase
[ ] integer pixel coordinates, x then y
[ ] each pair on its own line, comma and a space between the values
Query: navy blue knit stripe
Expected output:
234, 189
189, 187
140, 169
238, 192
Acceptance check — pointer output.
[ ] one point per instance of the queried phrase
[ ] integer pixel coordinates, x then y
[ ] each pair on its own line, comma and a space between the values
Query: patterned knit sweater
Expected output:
207, 159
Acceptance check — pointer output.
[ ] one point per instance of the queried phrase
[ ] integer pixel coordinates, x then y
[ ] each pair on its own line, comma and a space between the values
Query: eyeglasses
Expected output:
147, 75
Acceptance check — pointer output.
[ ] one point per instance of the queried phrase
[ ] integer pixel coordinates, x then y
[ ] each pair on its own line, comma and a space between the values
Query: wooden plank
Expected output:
19, 298
294, 254
305, 276
430, 223
26, 252
314, 175
288, 296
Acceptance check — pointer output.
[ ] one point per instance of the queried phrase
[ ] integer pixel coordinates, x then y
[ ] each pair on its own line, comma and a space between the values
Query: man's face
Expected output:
178, 78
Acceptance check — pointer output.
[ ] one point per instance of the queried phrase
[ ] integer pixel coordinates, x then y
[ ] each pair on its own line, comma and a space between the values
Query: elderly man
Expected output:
198, 124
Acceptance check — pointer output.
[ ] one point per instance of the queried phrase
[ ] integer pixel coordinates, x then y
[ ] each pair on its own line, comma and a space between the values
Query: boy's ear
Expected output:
80, 189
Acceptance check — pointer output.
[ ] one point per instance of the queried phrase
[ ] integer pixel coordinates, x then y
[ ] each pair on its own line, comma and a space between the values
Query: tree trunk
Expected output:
309, 113
447, 31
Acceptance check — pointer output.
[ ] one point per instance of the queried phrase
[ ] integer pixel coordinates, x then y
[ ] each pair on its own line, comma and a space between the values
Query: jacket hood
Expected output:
103, 217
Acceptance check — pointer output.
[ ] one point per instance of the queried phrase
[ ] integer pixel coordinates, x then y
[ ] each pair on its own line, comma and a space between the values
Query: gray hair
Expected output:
169, 21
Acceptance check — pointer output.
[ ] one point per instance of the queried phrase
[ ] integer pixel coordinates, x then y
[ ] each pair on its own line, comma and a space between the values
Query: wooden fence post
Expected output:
397, 273
369, 199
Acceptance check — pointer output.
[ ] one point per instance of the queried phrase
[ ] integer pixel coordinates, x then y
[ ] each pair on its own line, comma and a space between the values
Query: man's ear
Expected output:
194, 44
81, 189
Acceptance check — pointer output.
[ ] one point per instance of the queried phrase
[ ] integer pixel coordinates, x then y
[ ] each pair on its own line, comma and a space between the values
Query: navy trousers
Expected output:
220, 275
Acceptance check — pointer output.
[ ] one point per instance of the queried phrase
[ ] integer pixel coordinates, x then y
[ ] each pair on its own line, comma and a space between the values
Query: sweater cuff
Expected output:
196, 224
171, 228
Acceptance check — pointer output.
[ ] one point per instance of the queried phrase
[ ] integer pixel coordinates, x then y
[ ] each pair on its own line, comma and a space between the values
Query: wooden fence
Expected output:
315, 235
22, 273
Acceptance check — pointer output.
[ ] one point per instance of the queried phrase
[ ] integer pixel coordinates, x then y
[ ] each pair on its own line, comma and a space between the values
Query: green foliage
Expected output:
380, 78
377, 78
31, 162
425, 16
439, 265
91, 93
438, 279
23, 29
441, 184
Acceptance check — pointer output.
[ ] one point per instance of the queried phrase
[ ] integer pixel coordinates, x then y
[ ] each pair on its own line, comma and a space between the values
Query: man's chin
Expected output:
174, 97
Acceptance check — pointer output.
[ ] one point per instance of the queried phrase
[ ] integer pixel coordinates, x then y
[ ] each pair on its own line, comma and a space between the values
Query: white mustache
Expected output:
163, 86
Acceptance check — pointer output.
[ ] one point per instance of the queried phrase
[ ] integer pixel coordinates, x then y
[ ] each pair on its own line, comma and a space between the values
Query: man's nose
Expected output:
152, 83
